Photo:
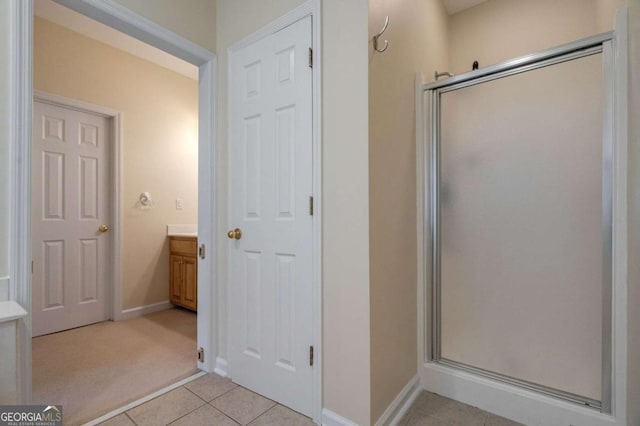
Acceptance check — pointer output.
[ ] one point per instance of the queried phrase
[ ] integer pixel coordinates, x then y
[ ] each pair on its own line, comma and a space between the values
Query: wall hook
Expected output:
377, 36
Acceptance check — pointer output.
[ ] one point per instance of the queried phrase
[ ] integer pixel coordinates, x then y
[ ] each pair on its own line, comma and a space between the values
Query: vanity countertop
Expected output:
190, 230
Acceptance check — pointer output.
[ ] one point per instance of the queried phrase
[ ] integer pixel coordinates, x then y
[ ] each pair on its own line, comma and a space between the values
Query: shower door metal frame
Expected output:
603, 44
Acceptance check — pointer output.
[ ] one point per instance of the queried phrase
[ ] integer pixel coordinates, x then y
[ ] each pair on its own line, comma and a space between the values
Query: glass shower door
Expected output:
522, 228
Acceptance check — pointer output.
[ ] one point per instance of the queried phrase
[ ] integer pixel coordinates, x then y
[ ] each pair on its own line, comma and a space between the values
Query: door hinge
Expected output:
201, 251
201, 355
310, 58
311, 206
311, 356
32, 267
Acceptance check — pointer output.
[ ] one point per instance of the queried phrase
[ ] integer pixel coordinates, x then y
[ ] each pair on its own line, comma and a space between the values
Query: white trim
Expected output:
11, 311
4, 288
316, 43
144, 399
69, 103
401, 403
514, 402
311, 8
421, 165
620, 217
308, 8
115, 188
221, 367
144, 310
209, 324
329, 418
20, 215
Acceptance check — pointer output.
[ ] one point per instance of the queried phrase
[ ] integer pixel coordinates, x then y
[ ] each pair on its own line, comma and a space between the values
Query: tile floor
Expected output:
210, 400
214, 400
430, 409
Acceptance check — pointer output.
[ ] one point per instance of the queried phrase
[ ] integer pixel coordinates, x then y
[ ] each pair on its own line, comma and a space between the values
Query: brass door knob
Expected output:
103, 228
235, 234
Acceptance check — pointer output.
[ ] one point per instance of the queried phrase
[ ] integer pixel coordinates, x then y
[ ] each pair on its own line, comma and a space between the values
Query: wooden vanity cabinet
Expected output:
183, 272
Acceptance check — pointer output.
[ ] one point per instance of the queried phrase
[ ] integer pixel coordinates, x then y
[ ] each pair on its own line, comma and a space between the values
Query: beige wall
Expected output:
417, 37
192, 19
499, 30
5, 64
633, 279
159, 143
345, 193
346, 385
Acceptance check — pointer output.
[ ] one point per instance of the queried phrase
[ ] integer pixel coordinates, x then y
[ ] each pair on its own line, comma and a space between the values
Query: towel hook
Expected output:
375, 37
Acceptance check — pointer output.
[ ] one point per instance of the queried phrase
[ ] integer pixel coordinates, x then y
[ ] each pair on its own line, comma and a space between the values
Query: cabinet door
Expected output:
175, 279
190, 289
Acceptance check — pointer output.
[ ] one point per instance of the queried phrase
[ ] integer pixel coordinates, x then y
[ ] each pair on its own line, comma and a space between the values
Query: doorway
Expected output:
141, 179
118, 17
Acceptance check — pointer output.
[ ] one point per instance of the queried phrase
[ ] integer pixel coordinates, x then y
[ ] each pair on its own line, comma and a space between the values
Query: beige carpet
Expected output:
95, 369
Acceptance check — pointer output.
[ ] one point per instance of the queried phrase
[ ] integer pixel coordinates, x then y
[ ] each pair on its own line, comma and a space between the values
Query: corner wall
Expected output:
417, 36
159, 143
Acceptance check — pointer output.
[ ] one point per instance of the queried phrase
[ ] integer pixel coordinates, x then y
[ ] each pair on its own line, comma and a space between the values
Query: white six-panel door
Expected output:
69, 204
270, 172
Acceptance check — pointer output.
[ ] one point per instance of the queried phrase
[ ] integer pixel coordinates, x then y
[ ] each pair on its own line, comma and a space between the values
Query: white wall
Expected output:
346, 382
159, 143
417, 36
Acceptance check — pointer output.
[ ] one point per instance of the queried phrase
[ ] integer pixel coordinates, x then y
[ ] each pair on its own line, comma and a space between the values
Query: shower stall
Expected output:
517, 228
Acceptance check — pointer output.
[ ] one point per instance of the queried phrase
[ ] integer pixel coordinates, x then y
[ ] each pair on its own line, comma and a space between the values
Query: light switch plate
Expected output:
178, 203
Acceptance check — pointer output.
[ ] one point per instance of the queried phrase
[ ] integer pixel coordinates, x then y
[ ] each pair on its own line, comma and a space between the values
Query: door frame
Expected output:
114, 280
313, 9
502, 398
124, 20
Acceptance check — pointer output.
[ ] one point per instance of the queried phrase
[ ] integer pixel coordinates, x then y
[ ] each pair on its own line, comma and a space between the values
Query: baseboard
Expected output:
4, 289
401, 403
221, 368
329, 418
146, 309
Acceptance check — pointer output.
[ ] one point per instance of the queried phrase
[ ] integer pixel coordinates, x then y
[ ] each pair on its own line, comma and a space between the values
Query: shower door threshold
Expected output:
556, 393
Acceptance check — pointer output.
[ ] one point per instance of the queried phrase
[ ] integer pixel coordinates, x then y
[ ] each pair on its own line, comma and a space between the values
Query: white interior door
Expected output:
270, 172
71, 253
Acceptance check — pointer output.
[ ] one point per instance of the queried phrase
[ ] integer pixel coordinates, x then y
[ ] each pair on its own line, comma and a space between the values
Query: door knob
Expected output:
235, 234
103, 228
